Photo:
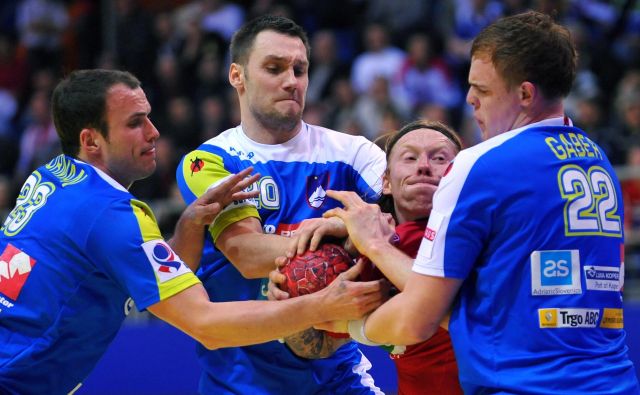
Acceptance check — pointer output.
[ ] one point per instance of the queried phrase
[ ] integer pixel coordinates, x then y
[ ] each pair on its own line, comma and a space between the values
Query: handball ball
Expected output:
314, 270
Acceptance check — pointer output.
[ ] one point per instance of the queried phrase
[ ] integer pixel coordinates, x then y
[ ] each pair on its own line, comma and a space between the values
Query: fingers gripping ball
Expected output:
314, 270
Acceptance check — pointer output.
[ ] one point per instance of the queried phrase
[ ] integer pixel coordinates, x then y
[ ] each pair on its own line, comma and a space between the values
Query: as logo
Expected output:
15, 267
166, 264
555, 272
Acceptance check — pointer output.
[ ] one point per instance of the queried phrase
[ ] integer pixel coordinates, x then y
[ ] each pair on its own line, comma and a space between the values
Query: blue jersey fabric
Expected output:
294, 178
532, 221
73, 253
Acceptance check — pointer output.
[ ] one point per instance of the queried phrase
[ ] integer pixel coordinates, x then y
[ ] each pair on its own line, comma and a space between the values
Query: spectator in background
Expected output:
401, 17
41, 24
8, 134
631, 189
39, 141
168, 82
626, 130
14, 75
213, 117
180, 124
341, 111
325, 66
221, 17
425, 77
209, 76
135, 42
380, 59
372, 108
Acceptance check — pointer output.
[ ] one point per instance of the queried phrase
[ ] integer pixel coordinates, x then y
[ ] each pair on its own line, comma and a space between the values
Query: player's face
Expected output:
416, 164
275, 81
496, 107
129, 153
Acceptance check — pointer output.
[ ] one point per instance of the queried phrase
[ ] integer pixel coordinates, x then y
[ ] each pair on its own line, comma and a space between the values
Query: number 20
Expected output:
591, 202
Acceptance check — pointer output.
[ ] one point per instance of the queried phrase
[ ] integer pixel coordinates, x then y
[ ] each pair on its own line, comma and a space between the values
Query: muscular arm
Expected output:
188, 238
250, 250
414, 314
392, 262
229, 324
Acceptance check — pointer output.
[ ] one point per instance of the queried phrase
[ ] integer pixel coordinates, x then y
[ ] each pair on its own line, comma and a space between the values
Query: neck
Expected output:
539, 111
263, 134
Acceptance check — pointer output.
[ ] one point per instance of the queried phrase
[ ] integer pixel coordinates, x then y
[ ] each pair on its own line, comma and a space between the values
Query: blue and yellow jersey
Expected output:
74, 253
532, 220
294, 179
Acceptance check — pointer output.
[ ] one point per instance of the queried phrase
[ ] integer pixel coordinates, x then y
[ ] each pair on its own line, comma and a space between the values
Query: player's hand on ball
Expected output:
311, 231
347, 299
276, 278
368, 227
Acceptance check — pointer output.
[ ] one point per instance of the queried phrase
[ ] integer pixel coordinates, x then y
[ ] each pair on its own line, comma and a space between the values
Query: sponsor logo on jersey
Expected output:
317, 186
603, 278
612, 319
166, 264
429, 234
15, 268
196, 165
568, 318
555, 272
286, 230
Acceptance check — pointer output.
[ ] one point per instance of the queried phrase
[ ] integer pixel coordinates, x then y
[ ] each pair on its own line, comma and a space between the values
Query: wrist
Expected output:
357, 332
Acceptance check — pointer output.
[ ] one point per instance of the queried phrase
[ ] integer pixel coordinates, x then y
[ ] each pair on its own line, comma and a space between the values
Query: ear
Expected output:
90, 140
386, 184
236, 76
527, 93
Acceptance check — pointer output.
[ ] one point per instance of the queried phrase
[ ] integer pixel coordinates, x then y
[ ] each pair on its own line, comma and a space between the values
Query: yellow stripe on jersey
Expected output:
201, 170
177, 285
146, 221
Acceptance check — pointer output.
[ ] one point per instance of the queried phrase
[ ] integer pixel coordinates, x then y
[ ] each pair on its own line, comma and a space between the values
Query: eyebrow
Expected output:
280, 58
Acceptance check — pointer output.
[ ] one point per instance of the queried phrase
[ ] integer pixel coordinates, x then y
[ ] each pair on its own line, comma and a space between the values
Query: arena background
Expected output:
178, 49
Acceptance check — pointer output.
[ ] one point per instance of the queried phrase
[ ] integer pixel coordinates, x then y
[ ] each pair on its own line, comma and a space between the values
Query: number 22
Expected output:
591, 202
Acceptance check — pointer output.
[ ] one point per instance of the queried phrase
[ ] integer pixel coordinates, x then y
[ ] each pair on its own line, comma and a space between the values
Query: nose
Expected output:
423, 165
151, 132
471, 99
290, 79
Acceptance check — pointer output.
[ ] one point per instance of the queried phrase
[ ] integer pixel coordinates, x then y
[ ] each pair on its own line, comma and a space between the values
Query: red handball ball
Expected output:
314, 270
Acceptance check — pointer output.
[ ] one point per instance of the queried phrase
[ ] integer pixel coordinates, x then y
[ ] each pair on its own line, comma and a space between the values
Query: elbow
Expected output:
249, 272
207, 340
246, 268
412, 333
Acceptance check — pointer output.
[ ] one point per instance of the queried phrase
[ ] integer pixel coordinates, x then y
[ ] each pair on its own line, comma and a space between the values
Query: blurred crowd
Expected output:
376, 64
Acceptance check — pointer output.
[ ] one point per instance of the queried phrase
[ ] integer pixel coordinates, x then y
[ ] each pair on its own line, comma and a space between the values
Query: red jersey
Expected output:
428, 367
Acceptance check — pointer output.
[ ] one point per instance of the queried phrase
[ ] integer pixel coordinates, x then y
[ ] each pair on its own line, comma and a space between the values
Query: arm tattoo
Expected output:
314, 344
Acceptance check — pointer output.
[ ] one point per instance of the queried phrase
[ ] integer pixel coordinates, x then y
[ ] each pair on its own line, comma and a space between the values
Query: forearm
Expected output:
392, 262
233, 324
254, 254
392, 324
188, 242
415, 314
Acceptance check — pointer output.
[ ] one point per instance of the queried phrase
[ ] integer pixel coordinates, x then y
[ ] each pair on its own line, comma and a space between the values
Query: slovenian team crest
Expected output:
317, 186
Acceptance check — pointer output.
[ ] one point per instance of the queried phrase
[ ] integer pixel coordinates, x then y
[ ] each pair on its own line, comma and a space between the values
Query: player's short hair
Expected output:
389, 140
530, 47
243, 39
79, 101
